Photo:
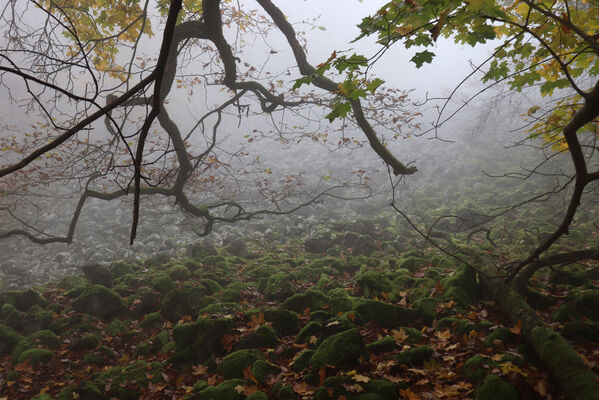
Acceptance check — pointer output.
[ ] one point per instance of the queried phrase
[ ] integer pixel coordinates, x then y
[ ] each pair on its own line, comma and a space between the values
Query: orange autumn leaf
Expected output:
517, 329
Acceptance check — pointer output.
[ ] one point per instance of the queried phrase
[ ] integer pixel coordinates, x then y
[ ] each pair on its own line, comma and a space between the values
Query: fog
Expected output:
302, 147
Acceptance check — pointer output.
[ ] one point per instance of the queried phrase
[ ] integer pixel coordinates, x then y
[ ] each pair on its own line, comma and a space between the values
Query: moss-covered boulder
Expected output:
587, 304
265, 337
580, 330
312, 328
201, 340
8, 339
233, 365
97, 274
477, 367
36, 320
383, 389
23, 300
373, 283
89, 391
411, 263
178, 303
262, 369
302, 360
99, 301
285, 322
383, 345
312, 298
152, 321
224, 391
162, 282
495, 388
500, 336
415, 356
462, 287
89, 341
125, 383
35, 356
383, 314
279, 287
340, 350
44, 339
363, 245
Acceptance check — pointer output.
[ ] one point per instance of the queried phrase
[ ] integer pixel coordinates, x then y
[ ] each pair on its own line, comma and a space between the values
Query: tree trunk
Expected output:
561, 360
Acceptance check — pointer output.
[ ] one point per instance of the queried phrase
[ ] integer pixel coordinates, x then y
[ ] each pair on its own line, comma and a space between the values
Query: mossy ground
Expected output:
300, 326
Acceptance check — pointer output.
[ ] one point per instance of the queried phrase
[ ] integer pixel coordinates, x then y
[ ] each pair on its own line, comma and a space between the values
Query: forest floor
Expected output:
284, 324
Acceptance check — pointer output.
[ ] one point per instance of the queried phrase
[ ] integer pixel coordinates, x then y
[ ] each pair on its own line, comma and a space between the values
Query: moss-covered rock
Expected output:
257, 396
97, 274
43, 338
152, 321
383, 314
125, 383
312, 328
116, 327
99, 301
278, 287
234, 363
8, 339
178, 272
201, 340
224, 391
230, 295
312, 298
163, 283
89, 391
302, 360
383, 345
580, 330
587, 304
364, 245
120, 268
22, 299
500, 337
340, 350
36, 320
477, 367
415, 356
35, 356
284, 322
373, 283
178, 303
264, 336
261, 369
383, 389
495, 388
411, 263
88, 341
462, 287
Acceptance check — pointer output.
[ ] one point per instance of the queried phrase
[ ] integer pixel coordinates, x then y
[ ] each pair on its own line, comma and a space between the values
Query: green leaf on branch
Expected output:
340, 110
422, 57
374, 84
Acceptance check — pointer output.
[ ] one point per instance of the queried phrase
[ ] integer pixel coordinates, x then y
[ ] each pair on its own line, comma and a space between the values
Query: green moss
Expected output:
178, 272
264, 336
116, 327
257, 396
87, 342
312, 328
284, 322
8, 339
385, 390
462, 287
201, 340
501, 334
163, 283
587, 304
495, 388
126, 382
373, 283
178, 303
99, 301
35, 356
312, 298
339, 350
279, 287
411, 263
211, 286
152, 321
383, 314
302, 360
89, 391
261, 369
415, 356
120, 268
233, 364
230, 295
44, 338
477, 367
383, 345
581, 330
225, 391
